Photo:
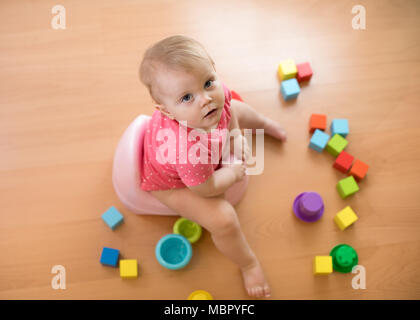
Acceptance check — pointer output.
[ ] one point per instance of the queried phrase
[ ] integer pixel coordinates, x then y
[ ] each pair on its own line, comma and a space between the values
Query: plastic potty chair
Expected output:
126, 174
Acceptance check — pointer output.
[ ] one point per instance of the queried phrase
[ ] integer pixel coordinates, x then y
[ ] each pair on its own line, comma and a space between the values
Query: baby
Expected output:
189, 95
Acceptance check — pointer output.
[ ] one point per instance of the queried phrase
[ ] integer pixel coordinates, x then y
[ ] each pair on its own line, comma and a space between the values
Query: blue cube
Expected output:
112, 217
290, 89
319, 140
340, 126
109, 257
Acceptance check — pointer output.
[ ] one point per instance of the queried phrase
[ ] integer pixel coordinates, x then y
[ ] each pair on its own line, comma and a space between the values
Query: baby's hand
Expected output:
247, 152
238, 169
246, 155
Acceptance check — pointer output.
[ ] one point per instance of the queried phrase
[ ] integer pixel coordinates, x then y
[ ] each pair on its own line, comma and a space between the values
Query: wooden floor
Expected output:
66, 97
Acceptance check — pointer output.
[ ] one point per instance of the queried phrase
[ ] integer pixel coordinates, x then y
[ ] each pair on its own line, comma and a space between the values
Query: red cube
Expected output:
343, 162
304, 72
317, 121
359, 169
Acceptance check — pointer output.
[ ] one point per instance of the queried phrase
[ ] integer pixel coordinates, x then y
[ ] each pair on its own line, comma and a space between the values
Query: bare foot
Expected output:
274, 129
254, 280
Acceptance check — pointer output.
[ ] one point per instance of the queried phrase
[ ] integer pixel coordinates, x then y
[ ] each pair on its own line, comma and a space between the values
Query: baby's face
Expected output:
190, 96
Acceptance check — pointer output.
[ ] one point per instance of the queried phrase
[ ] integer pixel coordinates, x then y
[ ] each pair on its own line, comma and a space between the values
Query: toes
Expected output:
267, 292
256, 292
250, 292
283, 135
259, 292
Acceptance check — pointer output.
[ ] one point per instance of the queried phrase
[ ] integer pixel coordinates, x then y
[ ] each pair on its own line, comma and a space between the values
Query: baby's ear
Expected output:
164, 111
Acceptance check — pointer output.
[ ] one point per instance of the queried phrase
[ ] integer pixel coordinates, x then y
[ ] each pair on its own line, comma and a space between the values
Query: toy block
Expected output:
290, 89
347, 186
109, 256
345, 218
336, 145
340, 126
323, 265
304, 72
319, 140
128, 268
317, 121
343, 162
359, 170
112, 217
287, 69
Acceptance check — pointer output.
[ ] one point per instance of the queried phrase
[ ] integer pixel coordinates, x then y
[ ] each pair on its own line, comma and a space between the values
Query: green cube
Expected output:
347, 186
336, 145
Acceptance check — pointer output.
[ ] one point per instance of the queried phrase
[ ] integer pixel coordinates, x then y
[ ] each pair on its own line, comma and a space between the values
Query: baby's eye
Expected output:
208, 83
187, 97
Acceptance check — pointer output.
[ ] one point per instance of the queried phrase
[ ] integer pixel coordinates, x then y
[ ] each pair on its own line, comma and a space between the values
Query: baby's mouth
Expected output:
210, 112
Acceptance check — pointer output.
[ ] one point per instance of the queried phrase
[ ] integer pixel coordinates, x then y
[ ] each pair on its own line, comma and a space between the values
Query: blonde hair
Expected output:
178, 52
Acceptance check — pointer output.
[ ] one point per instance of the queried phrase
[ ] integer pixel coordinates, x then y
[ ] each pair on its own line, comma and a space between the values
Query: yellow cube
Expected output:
323, 265
345, 218
287, 69
128, 269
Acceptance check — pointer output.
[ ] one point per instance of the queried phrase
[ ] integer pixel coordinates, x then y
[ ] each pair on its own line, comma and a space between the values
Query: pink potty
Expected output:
126, 174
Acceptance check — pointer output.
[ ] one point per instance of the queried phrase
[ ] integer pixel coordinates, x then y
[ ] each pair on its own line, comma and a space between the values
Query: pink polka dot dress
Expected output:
168, 159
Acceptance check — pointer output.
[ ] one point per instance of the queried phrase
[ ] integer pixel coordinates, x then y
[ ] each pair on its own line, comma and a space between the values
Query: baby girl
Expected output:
188, 95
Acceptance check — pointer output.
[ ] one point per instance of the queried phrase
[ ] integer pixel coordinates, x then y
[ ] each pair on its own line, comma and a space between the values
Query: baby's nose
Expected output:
206, 100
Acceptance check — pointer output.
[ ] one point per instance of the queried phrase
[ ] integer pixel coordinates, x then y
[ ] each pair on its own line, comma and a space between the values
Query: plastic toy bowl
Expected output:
200, 295
187, 228
173, 251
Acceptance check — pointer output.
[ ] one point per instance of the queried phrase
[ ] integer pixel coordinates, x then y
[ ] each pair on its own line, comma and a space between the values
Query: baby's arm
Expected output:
236, 133
220, 180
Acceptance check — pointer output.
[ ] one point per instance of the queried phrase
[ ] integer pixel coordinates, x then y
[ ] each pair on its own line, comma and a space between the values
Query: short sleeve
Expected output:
226, 116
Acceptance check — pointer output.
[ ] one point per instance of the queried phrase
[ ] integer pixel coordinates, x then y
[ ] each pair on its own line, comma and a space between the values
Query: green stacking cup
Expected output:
344, 258
187, 228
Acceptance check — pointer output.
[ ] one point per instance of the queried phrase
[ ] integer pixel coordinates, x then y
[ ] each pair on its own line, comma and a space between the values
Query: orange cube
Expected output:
358, 170
318, 121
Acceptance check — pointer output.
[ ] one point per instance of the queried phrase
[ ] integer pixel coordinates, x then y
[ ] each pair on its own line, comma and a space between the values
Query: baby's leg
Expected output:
249, 118
218, 216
